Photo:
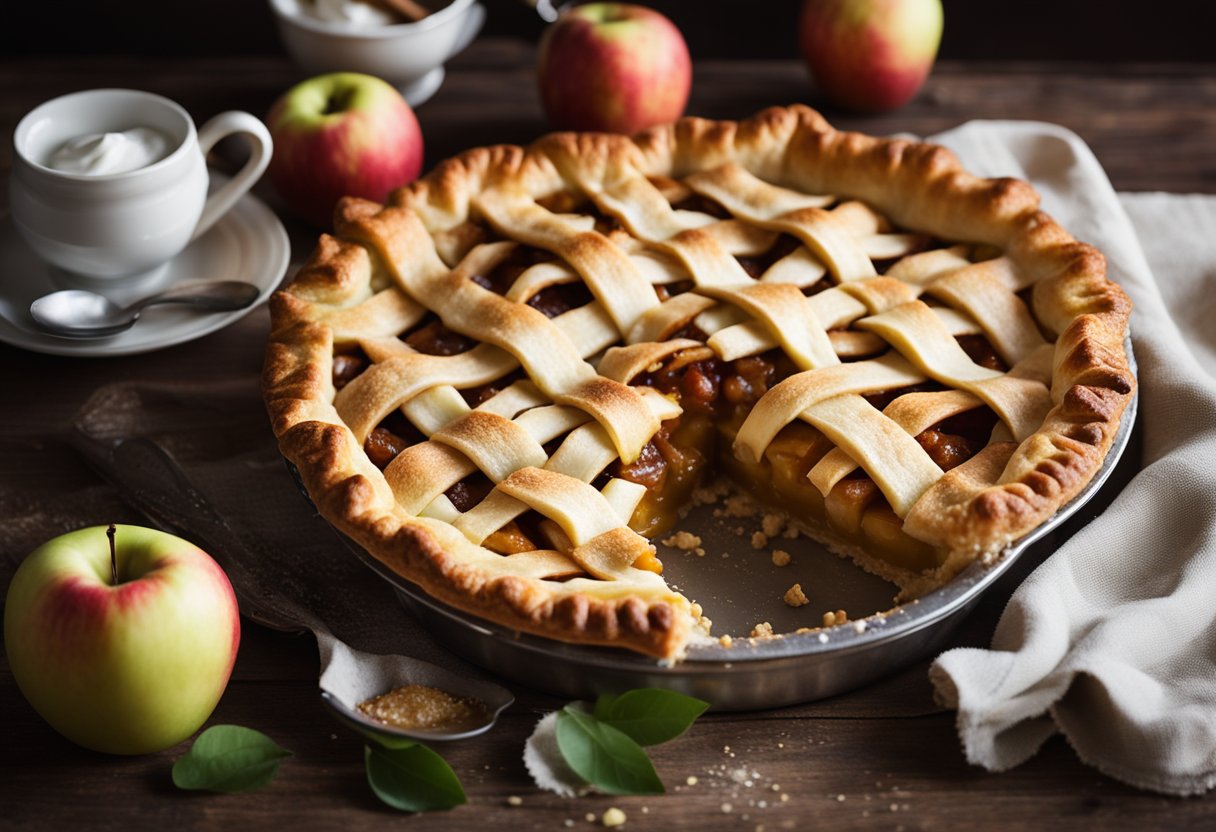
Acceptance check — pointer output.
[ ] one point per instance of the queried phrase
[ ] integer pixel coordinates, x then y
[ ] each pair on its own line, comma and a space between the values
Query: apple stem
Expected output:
110, 532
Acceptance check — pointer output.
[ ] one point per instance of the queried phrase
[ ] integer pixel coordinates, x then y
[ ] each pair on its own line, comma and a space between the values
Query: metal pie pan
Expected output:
740, 587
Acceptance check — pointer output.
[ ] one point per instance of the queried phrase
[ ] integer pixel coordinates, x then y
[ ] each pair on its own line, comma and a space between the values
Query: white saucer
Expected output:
248, 243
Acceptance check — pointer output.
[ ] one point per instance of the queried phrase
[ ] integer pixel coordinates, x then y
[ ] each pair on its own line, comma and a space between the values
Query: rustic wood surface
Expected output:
882, 758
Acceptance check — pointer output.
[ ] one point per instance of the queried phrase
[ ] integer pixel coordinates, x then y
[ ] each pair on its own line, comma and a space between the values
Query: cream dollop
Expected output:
97, 154
357, 14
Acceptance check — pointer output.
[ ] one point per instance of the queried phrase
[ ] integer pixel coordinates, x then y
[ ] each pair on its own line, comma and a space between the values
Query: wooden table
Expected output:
883, 758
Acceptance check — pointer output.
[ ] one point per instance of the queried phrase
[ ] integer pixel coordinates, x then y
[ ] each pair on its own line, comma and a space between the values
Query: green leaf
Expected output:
603, 756
228, 758
650, 716
412, 779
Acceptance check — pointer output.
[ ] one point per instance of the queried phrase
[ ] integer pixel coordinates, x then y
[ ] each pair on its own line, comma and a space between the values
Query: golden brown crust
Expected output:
919, 187
343, 486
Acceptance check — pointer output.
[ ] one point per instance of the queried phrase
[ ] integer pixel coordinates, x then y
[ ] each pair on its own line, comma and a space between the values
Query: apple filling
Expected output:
715, 397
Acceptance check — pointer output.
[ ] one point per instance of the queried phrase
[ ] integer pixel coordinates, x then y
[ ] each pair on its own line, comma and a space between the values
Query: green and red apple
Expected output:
341, 134
126, 653
870, 55
613, 67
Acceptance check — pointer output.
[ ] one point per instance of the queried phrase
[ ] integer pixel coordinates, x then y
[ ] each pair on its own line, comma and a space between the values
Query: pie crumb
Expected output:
831, 619
515, 800
684, 541
739, 506
759, 540
781, 557
772, 524
613, 817
726, 641
711, 493
762, 630
795, 597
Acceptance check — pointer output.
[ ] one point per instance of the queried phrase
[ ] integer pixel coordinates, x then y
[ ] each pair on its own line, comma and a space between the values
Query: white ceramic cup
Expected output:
123, 224
410, 56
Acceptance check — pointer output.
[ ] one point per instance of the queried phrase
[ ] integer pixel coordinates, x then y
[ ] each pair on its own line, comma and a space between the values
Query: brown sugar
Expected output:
419, 707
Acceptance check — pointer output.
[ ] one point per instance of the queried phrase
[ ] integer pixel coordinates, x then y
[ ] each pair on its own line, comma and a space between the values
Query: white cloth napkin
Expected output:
1112, 641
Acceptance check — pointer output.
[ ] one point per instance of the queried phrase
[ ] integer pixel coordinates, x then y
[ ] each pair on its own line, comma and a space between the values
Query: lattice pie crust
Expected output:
855, 266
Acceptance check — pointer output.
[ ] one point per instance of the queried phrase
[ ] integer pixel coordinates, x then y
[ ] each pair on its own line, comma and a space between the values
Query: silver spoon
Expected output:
351, 676
78, 313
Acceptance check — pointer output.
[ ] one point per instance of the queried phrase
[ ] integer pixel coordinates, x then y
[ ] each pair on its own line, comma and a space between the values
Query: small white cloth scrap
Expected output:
1112, 641
545, 762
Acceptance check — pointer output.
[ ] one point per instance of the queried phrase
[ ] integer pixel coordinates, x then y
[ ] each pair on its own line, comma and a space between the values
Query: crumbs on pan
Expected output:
832, 618
795, 597
685, 542
762, 630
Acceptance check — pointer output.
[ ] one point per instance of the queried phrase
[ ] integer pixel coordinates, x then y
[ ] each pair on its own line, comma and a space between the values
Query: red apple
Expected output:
870, 55
341, 134
613, 67
126, 656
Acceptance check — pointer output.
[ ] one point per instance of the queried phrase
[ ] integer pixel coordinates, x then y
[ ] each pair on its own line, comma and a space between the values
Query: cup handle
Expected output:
225, 124
469, 29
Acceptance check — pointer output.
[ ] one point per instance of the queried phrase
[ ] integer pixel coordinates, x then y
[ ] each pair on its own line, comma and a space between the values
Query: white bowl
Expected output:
408, 55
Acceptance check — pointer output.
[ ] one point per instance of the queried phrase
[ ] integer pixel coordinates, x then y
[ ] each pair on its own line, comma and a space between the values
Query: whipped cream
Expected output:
357, 14
98, 154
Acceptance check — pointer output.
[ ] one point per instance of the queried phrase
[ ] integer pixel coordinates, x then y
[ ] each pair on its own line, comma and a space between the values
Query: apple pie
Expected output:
510, 378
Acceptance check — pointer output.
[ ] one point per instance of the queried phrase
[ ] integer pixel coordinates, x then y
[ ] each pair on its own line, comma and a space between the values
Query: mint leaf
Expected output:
228, 758
603, 756
412, 778
650, 716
